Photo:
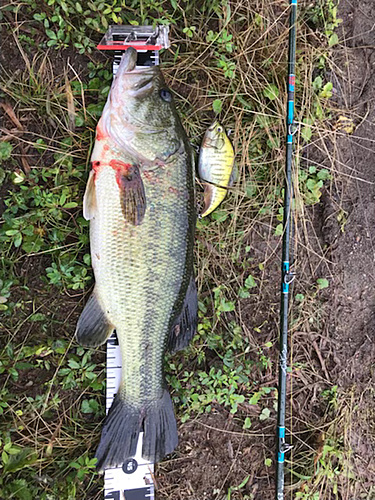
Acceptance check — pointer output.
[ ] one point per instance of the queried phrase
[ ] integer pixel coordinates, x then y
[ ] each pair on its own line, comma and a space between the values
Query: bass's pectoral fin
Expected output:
184, 327
93, 327
89, 198
132, 194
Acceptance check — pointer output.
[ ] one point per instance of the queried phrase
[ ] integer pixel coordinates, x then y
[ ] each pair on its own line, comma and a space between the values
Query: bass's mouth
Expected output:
128, 63
142, 87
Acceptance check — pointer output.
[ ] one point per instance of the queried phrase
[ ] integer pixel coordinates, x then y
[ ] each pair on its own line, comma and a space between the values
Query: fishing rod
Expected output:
286, 275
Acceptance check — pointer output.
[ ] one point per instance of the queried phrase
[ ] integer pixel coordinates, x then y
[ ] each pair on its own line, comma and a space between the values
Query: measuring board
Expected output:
134, 480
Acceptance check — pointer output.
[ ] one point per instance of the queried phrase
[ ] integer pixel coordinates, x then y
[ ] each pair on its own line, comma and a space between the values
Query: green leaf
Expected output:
279, 230
12, 232
250, 282
2, 176
243, 293
51, 34
255, 398
38, 317
247, 423
219, 215
5, 150
87, 259
322, 283
19, 489
268, 462
323, 174
306, 133
71, 204
79, 121
327, 90
24, 458
217, 106
271, 91
89, 406
299, 297
226, 306
333, 40
17, 240
317, 83
265, 414
73, 364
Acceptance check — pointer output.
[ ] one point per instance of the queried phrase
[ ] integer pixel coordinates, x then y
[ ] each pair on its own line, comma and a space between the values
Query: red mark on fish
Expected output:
97, 167
122, 170
173, 190
99, 134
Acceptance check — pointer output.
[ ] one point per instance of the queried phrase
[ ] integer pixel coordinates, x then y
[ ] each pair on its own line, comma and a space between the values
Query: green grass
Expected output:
229, 62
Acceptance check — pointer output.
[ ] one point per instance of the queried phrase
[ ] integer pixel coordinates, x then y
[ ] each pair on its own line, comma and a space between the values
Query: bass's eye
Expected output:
165, 95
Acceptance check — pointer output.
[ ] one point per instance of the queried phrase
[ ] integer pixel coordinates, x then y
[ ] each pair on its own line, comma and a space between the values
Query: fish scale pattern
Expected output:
140, 270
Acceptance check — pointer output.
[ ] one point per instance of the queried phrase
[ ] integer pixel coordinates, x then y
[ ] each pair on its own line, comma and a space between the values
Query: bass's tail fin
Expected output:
123, 425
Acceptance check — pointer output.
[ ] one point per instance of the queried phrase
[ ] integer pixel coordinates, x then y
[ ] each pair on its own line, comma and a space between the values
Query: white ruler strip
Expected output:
134, 480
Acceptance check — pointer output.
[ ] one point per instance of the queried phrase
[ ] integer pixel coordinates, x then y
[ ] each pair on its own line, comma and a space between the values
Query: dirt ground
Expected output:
353, 251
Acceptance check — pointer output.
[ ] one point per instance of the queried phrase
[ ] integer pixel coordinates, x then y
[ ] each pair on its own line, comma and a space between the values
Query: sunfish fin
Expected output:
213, 196
122, 427
132, 194
89, 198
184, 327
93, 327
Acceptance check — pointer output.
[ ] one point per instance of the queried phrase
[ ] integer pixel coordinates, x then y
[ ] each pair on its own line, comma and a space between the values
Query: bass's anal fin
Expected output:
93, 327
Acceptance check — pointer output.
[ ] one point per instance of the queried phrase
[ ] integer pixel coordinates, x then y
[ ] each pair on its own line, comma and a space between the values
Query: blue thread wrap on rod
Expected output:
290, 112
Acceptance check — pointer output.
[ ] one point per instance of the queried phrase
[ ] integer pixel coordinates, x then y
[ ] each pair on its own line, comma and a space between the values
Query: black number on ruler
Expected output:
138, 494
130, 465
114, 495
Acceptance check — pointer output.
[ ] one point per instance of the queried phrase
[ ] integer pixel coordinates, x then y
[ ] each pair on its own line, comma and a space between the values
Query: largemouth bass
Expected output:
215, 166
140, 201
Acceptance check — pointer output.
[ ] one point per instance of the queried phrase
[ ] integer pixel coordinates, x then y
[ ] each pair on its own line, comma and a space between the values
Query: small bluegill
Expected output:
215, 166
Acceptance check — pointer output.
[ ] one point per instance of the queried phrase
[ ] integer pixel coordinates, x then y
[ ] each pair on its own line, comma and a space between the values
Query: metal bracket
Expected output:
285, 447
292, 129
289, 277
